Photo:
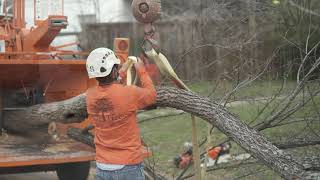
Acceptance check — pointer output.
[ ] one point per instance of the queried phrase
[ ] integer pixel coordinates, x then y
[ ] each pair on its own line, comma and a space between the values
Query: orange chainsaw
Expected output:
185, 159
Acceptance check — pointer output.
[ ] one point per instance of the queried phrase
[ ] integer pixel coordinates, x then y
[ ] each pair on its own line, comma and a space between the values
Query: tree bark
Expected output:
74, 110
248, 138
68, 111
297, 143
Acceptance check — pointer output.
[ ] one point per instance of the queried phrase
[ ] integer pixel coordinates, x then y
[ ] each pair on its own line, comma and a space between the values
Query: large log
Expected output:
68, 111
74, 110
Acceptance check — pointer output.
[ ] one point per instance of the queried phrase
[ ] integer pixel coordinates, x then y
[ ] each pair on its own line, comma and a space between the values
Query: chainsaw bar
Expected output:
84, 137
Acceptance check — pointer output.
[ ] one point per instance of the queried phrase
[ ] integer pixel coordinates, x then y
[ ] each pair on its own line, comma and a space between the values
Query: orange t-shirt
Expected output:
214, 152
112, 109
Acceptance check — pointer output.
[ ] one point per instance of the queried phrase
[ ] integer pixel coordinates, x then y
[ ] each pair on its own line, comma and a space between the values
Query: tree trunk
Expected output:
249, 139
68, 111
74, 110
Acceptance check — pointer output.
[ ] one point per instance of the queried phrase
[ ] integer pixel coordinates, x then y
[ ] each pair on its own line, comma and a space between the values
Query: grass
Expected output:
256, 89
167, 135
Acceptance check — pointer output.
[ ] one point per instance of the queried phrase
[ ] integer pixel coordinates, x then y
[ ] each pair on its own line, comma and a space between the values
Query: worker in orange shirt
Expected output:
112, 107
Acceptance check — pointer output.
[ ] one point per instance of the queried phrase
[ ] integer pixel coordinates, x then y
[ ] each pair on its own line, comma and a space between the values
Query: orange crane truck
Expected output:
33, 72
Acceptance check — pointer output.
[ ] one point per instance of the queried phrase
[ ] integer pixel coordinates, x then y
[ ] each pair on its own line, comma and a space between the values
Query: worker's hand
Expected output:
125, 66
139, 64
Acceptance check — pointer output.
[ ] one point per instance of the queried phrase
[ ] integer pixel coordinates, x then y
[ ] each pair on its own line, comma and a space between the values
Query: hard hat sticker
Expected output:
91, 69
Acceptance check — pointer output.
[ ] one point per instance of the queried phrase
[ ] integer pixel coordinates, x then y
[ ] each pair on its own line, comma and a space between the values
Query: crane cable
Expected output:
147, 12
167, 70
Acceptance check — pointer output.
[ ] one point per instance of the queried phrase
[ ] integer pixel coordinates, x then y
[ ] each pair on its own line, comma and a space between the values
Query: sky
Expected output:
110, 11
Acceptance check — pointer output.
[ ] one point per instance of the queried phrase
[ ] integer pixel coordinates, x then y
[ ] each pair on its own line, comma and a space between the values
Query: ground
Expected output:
39, 176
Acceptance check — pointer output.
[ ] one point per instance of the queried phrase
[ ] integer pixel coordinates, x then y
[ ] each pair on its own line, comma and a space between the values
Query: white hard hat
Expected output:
100, 62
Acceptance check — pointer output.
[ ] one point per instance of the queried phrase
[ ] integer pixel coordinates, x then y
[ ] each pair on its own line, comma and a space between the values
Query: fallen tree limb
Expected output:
309, 163
248, 138
297, 143
74, 110
312, 163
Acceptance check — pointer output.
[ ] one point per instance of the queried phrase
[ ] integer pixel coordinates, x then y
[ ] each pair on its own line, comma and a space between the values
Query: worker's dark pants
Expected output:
128, 172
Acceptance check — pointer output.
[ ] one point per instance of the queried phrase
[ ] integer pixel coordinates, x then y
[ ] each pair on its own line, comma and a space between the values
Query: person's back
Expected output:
112, 108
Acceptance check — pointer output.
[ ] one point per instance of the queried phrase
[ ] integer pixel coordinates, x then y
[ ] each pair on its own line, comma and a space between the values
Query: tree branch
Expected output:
74, 110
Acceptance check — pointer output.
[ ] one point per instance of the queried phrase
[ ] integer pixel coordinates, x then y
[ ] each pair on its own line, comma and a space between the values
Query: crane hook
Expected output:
146, 11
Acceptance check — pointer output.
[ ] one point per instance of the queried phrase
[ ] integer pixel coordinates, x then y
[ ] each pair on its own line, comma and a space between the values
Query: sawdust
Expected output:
56, 148
4, 137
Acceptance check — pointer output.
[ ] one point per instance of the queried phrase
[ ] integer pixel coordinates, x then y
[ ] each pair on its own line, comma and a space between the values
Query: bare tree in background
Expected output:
300, 38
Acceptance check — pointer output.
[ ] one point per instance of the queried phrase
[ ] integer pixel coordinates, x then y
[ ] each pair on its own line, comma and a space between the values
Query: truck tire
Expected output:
77, 171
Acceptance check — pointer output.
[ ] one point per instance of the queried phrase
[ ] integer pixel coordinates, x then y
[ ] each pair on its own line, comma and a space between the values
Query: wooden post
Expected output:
208, 145
196, 151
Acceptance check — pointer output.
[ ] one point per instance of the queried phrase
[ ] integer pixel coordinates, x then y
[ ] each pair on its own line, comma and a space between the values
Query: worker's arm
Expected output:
146, 94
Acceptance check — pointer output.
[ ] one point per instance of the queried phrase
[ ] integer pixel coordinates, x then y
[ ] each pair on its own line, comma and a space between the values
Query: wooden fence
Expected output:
189, 46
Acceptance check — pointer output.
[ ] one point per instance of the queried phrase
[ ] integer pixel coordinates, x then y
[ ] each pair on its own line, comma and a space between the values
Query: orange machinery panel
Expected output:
121, 47
59, 80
